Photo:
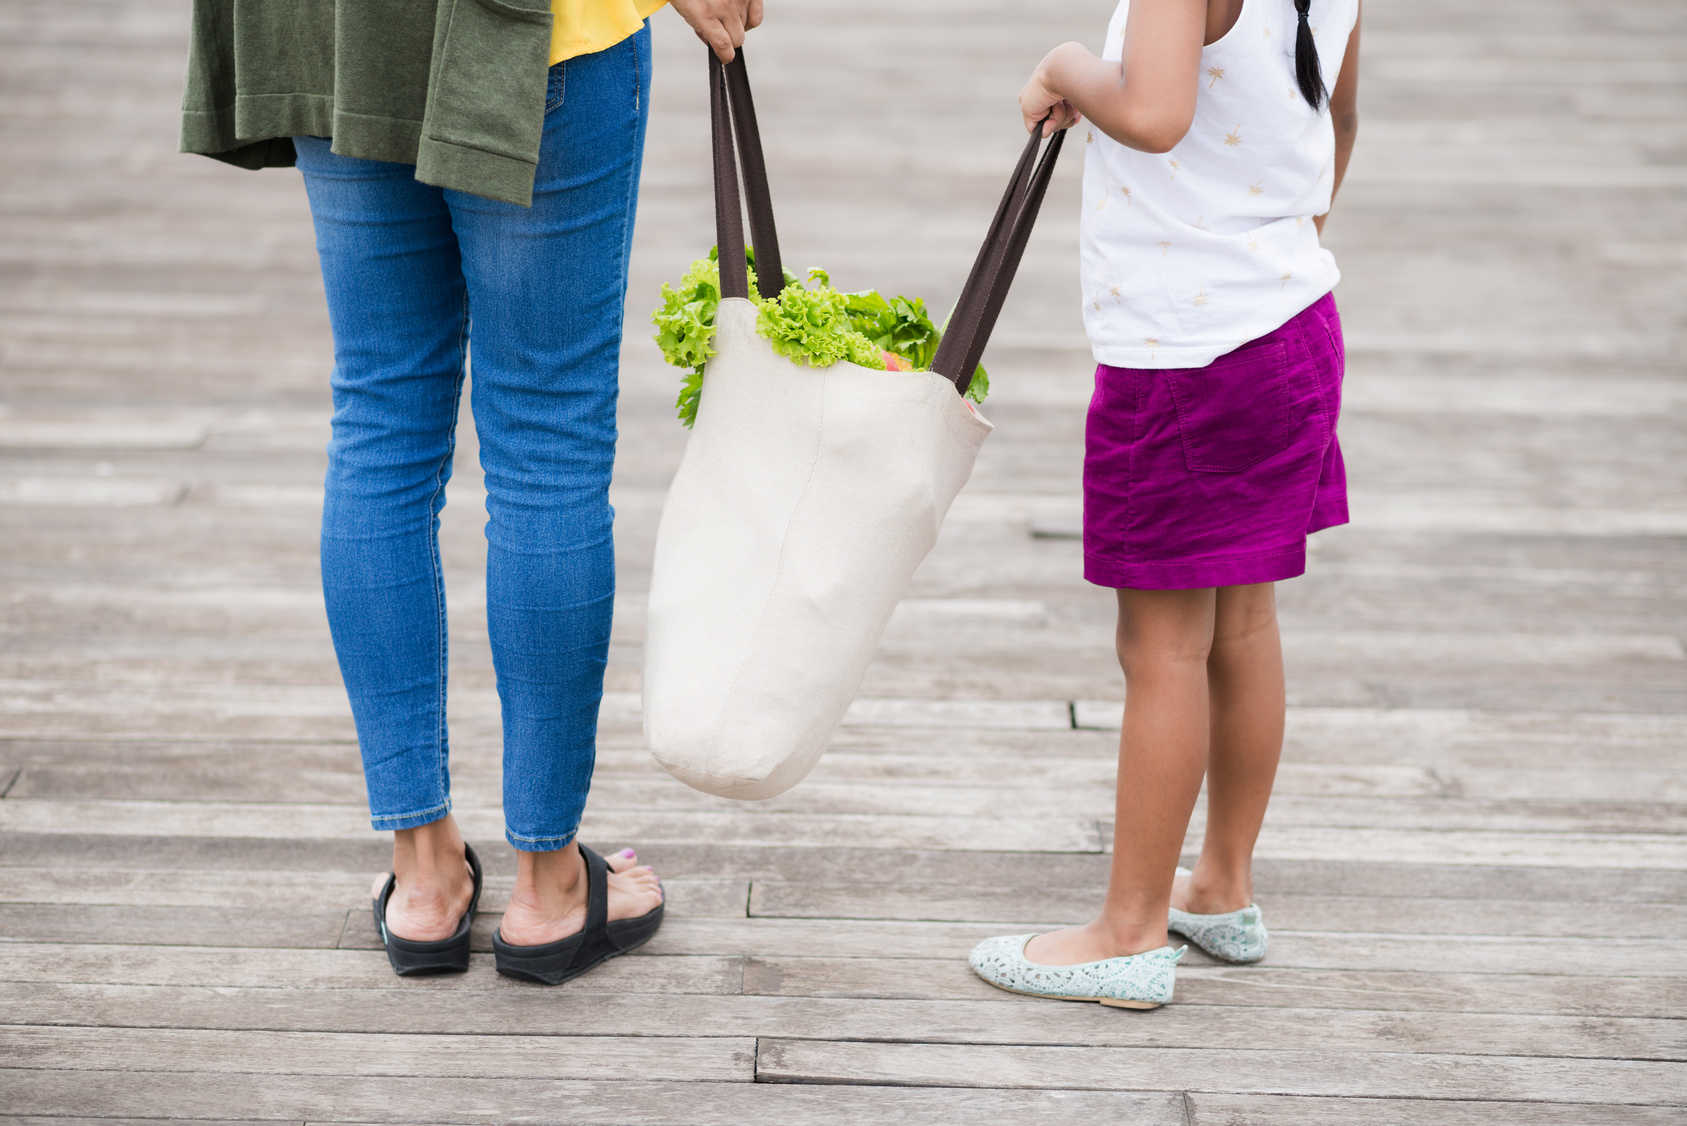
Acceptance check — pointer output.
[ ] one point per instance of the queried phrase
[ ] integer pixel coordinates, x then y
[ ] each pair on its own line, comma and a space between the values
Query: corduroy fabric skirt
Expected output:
1215, 476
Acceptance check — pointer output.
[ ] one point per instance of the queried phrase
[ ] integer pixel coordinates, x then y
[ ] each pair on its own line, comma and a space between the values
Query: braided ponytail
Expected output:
1308, 75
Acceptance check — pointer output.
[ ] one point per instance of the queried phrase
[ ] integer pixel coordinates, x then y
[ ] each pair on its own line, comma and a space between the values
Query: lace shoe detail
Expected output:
1139, 981
1235, 936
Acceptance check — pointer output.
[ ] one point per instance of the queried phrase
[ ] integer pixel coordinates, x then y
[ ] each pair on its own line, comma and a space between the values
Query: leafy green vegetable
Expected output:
812, 326
685, 328
817, 326
899, 325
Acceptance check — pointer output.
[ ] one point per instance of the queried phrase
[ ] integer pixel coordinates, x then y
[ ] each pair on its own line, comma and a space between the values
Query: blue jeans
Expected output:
417, 277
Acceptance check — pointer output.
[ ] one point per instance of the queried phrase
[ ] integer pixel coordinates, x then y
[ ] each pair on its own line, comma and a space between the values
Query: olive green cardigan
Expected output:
455, 87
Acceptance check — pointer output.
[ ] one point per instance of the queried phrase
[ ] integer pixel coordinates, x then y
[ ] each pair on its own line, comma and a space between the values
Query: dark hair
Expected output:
1308, 75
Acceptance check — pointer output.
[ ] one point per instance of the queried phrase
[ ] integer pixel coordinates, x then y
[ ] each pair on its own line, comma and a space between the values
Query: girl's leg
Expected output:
1245, 682
396, 301
1164, 640
547, 286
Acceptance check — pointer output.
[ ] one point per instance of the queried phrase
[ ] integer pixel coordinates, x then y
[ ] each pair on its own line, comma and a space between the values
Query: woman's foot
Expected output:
434, 882
549, 901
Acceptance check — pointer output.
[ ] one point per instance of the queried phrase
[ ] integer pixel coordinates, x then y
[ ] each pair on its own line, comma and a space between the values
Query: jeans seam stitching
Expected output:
562, 94
443, 635
565, 838
412, 813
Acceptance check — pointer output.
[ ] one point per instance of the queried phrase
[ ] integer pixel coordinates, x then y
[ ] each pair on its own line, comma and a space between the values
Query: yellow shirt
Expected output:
580, 27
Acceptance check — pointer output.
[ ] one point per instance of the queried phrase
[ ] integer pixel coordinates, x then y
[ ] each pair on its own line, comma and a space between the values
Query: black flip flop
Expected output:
448, 955
556, 962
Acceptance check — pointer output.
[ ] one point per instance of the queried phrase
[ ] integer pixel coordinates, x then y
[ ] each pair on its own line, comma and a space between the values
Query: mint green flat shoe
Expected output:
1235, 936
1139, 981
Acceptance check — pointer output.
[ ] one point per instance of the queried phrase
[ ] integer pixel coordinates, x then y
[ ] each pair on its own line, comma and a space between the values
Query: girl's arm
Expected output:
1344, 113
1147, 102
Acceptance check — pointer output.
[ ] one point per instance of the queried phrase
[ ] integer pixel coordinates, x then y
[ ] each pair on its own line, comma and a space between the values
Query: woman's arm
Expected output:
1146, 102
1344, 113
720, 23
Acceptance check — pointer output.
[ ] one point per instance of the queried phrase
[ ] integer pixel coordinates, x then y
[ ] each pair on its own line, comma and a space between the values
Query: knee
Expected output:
1244, 618
1141, 662
1143, 654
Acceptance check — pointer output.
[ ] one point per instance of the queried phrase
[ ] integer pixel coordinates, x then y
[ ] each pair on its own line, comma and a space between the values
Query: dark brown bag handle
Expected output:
737, 141
732, 112
986, 289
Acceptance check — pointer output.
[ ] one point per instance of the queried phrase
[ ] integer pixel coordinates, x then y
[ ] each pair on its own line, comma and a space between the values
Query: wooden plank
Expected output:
1031, 715
1421, 845
1662, 850
1337, 736
305, 891
1283, 911
906, 978
859, 865
715, 1059
276, 968
84, 433
1265, 985
208, 778
694, 897
845, 938
1006, 799
349, 822
147, 923
1261, 1071
557, 1102
1214, 1109
514, 1009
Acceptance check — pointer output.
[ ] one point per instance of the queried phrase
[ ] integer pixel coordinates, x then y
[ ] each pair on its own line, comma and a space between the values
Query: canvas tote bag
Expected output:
805, 499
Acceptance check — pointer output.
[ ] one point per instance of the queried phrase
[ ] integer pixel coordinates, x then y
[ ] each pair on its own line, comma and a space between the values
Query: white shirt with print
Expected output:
1189, 254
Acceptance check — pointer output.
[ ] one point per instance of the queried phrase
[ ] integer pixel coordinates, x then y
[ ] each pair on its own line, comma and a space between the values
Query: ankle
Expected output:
1124, 938
549, 884
1214, 890
431, 856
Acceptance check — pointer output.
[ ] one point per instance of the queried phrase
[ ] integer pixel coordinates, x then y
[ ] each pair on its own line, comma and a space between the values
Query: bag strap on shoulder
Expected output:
737, 141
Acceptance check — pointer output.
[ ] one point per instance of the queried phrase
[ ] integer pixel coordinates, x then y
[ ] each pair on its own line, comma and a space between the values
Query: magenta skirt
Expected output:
1215, 476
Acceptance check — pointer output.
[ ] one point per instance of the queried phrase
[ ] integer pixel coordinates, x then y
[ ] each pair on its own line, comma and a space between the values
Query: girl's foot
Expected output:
1139, 981
1091, 942
1237, 935
549, 901
1207, 898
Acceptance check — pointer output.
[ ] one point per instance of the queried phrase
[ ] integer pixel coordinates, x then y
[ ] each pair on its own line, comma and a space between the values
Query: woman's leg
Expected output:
1245, 682
1164, 640
547, 289
396, 301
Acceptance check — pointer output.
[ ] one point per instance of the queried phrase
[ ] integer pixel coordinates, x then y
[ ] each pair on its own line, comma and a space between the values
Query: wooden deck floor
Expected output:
1476, 864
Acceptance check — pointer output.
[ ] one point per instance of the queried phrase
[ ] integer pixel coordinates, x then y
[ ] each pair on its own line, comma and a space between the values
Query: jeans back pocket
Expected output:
1234, 412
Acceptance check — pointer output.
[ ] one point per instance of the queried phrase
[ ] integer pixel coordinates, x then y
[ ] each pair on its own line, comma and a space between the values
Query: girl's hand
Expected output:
1040, 99
720, 23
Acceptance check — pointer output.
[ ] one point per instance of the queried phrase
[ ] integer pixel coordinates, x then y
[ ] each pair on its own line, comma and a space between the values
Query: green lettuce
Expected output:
814, 325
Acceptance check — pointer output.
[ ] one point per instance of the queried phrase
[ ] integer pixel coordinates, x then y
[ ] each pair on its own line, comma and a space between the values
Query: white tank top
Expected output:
1189, 254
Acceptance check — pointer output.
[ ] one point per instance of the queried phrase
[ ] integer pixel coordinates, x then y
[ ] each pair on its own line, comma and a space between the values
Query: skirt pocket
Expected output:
1234, 412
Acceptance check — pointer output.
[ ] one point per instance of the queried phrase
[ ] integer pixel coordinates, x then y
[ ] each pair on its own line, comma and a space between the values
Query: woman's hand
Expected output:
720, 23
1039, 100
